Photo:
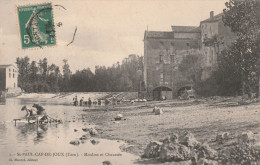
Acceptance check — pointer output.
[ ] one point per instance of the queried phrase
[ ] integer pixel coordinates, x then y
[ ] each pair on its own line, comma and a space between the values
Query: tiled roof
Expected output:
159, 35
186, 29
215, 18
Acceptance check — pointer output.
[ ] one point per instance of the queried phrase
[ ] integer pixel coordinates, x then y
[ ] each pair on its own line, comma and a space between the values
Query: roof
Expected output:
186, 29
159, 34
7, 65
215, 18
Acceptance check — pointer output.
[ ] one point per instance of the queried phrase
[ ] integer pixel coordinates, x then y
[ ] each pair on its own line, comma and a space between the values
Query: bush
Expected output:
220, 83
240, 154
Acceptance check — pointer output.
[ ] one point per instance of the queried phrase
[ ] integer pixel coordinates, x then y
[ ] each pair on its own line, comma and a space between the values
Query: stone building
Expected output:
214, 38
8, 77
164, 51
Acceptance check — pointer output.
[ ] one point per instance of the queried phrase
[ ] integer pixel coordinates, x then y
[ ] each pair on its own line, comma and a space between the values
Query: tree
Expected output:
66, 76
23, 70
228, 76
82, 81
66, 69
47, 78
53, 77
191, 67
215, 41
243, 17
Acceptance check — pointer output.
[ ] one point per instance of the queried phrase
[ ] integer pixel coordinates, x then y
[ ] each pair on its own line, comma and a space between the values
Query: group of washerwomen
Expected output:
81, 101
37, 112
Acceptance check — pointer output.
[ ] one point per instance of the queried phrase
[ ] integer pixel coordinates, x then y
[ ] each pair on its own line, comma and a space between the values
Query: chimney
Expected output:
211, 14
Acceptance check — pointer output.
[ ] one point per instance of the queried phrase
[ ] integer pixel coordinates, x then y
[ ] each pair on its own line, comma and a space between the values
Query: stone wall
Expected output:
162, 57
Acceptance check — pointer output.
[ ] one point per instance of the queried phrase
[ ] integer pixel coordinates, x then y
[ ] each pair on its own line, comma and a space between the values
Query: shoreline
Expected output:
140, 126
204, 118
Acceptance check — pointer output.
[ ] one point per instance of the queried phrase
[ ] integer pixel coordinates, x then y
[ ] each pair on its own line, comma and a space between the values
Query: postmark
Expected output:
36, 25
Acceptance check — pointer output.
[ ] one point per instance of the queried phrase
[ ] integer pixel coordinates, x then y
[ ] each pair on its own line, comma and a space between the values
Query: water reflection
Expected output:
41, 133
51, 137
2, 101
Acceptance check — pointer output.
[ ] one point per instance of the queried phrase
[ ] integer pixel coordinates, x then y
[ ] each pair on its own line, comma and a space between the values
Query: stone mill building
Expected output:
164, 51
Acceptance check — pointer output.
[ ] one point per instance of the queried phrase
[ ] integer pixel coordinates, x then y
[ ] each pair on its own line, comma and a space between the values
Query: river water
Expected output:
25, 143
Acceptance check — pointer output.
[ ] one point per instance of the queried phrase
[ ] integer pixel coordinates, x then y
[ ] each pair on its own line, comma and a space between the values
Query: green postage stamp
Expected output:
36, 25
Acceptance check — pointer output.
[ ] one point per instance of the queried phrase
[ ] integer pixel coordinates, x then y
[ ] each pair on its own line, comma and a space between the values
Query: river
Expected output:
25, 143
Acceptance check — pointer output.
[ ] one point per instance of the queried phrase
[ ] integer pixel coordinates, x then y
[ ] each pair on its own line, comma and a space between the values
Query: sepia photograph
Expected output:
129, 82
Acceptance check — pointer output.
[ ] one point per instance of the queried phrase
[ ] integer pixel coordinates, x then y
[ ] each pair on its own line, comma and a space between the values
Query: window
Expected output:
13, 75
172, 43
188, 44
172, 59
13, 70
9, 70
161, 58
161, 77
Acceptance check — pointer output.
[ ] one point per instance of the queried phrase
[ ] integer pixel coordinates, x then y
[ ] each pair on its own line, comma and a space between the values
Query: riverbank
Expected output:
66, 98
204, 118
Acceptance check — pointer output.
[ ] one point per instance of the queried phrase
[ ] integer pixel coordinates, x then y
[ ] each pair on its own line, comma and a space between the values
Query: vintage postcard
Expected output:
120, 82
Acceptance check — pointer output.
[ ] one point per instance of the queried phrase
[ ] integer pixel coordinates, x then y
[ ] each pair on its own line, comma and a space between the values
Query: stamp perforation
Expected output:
53, 26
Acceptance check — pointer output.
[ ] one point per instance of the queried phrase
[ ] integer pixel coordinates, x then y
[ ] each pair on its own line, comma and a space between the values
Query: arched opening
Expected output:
162, 93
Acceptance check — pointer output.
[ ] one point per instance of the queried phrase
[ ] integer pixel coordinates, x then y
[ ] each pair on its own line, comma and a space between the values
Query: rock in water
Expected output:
152, 149
158, 111
83, 137
118, 117
94, 142
93, 131
83, 141
85, 129
75, 142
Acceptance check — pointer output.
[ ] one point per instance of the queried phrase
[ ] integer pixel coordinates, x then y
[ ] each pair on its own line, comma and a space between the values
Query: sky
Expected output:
107, 30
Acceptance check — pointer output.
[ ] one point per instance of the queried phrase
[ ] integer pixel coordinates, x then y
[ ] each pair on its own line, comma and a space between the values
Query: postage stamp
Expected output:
36, 25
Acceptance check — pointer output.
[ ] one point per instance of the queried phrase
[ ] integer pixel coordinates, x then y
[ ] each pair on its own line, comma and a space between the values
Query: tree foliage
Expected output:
42, 77
191, 67
243, 17
238, 66
39, 77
